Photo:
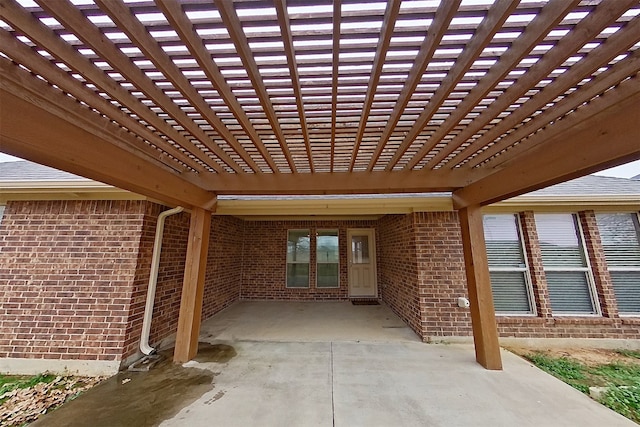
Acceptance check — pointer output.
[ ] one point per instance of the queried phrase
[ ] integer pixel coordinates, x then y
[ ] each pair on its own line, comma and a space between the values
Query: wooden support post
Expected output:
483, 318
193, 286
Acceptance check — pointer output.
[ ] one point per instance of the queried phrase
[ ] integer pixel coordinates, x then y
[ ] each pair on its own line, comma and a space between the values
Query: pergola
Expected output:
182, 101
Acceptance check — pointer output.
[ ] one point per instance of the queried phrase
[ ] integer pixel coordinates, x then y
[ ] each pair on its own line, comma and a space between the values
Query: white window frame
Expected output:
589, 273
525, 269
316, 254
630, 268
286, 263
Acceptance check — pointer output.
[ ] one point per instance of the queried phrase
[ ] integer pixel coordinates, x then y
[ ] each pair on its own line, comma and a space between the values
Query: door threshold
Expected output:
365, 301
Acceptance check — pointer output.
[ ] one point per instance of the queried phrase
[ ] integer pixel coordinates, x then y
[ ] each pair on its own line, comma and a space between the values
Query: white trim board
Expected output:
91, 368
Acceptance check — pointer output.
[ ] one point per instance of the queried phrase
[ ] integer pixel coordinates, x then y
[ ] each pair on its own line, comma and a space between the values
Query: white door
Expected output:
362, 263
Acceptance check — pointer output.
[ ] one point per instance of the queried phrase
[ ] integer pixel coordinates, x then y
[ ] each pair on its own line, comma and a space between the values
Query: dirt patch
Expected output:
588, 356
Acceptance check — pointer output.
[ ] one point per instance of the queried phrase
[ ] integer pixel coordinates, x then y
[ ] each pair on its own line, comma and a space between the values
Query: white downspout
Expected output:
153, 280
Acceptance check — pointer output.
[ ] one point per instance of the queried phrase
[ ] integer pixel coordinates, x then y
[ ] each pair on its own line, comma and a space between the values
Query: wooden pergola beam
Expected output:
335, 63
605, 13
548, 18
20, 19
190, 315
74, 20
234, 27
182, 25
599, 84
122, 16
388, 25
20, 53
483, 317
497, 15
289, 50
342, 182
81, 147
444, 14
592, 138
615, 45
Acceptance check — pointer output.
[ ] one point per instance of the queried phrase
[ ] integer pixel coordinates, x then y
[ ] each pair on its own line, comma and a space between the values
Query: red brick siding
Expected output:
222, 279
544, 325
264, 260
397, 263
224, 265
536, 269
441, 274
170, 277
67, 269
568, 327
595, 253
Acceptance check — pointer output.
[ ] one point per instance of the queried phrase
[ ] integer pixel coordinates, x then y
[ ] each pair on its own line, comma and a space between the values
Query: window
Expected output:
1, 212
298, 247
327, 256
507, 265
565, 265
620, 234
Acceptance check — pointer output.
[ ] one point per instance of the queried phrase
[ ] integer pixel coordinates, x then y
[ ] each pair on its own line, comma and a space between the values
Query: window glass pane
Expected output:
327, 246
298, 250
328, 276
360, 249
620, 235
569, 292
510, 293
297, 275
559, 241
626, 285
298, 245
503, 241
327, 258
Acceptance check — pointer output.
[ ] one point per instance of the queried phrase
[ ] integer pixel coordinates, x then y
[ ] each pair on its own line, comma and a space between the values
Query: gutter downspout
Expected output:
153, 281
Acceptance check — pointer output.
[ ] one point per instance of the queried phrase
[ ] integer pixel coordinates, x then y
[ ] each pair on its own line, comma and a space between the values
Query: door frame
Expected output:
372, 256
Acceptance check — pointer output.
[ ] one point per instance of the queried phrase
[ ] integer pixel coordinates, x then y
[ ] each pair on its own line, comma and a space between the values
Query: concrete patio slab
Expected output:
331, 364
306, 321
384, 384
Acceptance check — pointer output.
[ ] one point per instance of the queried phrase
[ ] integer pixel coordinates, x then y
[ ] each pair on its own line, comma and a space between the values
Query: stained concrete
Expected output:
143, 398
323, 376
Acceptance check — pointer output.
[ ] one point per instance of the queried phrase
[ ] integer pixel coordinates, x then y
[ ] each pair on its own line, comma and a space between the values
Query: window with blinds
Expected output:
565, 264
620, 235
510, 281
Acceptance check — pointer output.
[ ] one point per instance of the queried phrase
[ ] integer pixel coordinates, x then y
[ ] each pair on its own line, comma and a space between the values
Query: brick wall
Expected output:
67, 270
441, 274
441, 280
264, 260
222, 278
542, 301
224, 265
74, 276
598, 262
398, 268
